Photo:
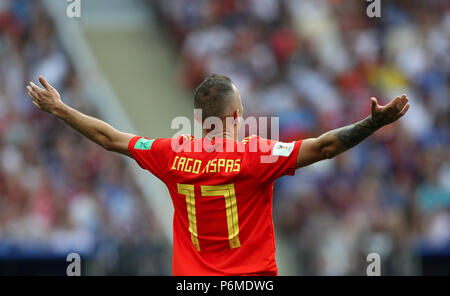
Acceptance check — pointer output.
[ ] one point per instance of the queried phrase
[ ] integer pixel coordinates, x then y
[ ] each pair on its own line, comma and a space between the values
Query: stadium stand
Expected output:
60, 193
315, 64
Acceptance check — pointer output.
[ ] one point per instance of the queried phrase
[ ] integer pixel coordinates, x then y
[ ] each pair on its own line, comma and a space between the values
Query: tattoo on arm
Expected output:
336, 141
353, 134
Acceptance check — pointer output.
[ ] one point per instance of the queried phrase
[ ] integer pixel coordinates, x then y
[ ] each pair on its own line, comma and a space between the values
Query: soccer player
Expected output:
222, 198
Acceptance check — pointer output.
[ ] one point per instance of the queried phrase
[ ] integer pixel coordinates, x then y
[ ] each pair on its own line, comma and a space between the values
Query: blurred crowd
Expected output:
315, 64
60, 193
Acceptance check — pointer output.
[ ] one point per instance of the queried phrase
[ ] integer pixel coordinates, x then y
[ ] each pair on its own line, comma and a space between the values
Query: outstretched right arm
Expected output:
336, 141
49, 100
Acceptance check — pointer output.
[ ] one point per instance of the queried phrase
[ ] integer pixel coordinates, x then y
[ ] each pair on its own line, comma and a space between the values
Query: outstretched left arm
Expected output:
339, 140
48, 99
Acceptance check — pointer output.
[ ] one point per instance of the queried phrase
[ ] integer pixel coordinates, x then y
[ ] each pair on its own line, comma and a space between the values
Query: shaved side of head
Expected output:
216, 96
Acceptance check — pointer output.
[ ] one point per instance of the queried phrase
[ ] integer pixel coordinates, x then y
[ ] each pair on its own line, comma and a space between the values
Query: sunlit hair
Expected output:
213, 95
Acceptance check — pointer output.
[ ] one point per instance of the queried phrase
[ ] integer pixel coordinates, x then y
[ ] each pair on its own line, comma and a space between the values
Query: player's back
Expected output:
222, 196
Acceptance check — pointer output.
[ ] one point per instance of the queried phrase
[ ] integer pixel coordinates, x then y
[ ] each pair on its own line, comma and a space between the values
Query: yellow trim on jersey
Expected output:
188, 191
231, 208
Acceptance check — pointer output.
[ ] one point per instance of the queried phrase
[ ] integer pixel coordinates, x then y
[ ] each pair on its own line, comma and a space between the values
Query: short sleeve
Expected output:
151, 154
268, 160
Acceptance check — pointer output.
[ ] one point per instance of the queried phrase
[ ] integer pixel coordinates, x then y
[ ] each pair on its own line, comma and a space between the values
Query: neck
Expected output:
226, 134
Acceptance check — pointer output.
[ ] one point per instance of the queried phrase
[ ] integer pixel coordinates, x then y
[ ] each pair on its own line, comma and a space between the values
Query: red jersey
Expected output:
222, 222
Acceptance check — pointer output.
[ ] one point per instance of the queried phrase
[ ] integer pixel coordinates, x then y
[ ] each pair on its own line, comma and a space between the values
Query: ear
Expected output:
236, 114
237, 118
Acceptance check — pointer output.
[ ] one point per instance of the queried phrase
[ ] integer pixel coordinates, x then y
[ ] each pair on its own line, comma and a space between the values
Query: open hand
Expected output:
382, 115
46, 98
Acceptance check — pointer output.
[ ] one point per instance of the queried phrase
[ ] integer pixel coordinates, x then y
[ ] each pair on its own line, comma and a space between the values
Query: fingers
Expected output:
398, 103
45, 83
33, 96
35, 88
373, 103
31, 92
403, 112
43, 98
401, 106
30, 95
403, 100
36, 104
394, 103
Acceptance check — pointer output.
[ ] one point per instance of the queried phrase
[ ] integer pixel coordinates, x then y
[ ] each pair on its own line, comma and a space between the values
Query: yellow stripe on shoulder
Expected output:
246, 140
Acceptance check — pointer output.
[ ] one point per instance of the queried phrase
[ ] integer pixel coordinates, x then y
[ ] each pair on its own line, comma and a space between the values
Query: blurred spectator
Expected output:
60, 193
315, 64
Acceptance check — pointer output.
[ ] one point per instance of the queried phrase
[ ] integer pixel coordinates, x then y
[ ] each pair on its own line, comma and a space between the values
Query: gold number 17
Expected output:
227, 191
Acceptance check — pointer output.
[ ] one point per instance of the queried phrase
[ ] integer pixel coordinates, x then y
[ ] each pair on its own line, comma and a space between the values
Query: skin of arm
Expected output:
334, 142
49, 100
